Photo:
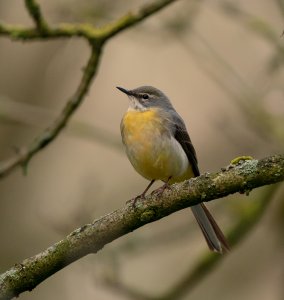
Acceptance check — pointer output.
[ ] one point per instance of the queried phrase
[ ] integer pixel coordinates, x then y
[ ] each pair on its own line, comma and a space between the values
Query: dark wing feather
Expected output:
208, 225
181, 135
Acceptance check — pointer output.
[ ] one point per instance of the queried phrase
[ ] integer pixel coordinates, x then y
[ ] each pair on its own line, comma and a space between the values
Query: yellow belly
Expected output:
151, 149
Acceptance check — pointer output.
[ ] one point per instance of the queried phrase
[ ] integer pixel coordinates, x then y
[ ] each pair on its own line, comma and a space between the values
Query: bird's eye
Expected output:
145, 96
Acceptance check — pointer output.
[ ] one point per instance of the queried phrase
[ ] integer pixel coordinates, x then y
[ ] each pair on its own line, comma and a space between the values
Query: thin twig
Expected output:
281, 6
34, 11
86, 31
90, 238
25, 154
96, 38
33, 116
131, 19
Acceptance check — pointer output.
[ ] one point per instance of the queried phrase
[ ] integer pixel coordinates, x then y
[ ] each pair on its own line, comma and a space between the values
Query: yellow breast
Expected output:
139, 126
151, 149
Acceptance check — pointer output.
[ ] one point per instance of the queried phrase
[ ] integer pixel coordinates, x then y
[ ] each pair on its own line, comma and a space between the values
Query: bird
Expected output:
158, 146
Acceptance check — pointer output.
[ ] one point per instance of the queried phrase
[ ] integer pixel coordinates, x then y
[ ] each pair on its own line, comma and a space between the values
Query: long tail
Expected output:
213, 235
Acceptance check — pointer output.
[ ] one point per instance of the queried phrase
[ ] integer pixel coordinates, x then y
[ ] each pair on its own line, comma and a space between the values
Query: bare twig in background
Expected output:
90, 238
96, 38
35, 13
13, 112
281, 6
25, 154
249, 99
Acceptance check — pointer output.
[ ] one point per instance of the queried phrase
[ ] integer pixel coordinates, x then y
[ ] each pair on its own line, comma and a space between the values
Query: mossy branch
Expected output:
206, 262
26, 153
96, 38
86, 31
34, 11
90, 238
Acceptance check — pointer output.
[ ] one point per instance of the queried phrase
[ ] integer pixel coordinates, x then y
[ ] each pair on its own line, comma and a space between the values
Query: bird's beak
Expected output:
127, 92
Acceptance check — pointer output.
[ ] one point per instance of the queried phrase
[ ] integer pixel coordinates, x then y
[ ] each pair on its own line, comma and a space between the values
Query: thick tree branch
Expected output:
96, 38
208, 261
90, 238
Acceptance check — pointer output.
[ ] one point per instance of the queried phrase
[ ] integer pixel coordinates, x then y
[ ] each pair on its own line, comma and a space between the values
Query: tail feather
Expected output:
213, 235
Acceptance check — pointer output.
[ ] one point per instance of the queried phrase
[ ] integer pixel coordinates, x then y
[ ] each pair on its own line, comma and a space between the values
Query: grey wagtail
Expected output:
159, 148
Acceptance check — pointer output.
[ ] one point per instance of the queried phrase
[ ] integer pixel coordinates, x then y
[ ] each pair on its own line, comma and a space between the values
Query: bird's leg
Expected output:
142, 196
161, 189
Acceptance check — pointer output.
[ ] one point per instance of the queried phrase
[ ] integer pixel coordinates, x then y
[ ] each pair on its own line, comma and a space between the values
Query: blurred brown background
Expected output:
221, 64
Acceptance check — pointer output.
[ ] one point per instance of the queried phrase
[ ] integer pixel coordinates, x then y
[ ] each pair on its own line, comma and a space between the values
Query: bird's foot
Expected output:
134, 200
142, 196
159, 191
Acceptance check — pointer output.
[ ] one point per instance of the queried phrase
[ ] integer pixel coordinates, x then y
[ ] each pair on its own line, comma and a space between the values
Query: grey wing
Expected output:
181, 135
